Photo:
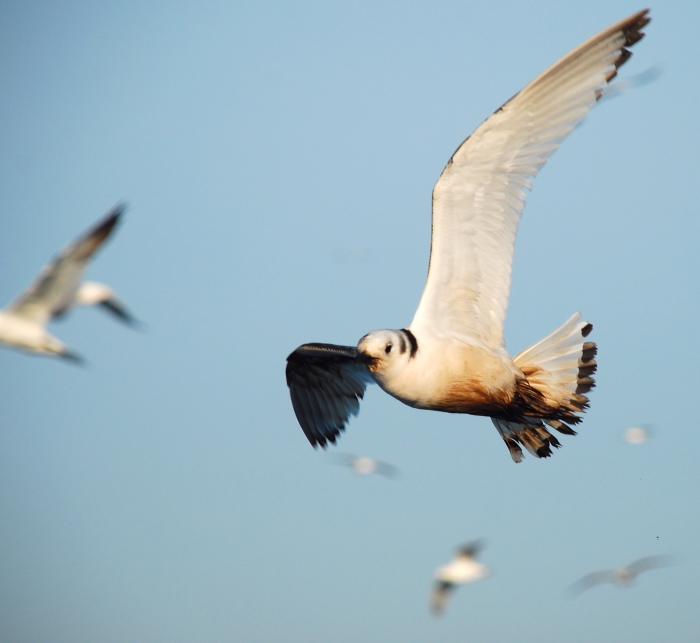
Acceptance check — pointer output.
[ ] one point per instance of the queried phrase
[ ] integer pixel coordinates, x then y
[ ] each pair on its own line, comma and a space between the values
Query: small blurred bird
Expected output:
366, 466
636, 435
462, 569
623, 576
56, 290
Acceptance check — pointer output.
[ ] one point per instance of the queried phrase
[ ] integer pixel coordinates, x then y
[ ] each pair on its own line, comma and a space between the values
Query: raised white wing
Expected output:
479, 198
53, 291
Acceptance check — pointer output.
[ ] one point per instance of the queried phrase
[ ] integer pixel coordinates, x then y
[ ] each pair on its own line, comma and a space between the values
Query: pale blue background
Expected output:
278, 161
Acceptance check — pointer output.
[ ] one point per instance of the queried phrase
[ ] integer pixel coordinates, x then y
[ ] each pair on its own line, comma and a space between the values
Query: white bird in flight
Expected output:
623, 576
366, 466
452, 357
462, 569
56, 290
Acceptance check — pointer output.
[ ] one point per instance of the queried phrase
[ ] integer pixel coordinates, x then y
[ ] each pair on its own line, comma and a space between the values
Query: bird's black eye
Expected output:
387, 350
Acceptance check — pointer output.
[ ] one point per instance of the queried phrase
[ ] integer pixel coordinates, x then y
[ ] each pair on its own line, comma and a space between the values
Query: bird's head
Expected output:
387, 350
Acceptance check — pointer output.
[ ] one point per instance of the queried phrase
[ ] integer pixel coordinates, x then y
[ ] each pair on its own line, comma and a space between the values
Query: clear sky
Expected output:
278, 161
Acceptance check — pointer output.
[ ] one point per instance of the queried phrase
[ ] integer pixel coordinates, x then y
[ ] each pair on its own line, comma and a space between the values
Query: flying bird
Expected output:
462, 569
622, 577
452, 357
636, 435
366, 466
56, 290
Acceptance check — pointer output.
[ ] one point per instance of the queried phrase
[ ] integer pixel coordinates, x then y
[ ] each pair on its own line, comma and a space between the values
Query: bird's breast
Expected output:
453, 378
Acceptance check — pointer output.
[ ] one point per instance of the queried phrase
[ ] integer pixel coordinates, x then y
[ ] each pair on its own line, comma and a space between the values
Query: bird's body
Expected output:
448, 375
452, 357
55, 291
365, 466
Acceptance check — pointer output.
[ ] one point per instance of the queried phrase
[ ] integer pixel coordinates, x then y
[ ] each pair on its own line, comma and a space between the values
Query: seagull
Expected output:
462, 569
452, 357
365, 466
622, 577
56, 290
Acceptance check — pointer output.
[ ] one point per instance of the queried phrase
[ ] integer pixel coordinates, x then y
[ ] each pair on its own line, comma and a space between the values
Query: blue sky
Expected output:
278, 161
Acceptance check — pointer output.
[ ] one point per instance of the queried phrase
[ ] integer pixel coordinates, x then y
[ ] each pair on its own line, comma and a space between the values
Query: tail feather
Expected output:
558, 371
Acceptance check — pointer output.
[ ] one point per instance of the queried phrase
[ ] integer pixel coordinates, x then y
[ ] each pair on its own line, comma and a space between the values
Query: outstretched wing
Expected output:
442, 590
648, 562
479, 198
53, 291
326, 383
471, 550
593, 579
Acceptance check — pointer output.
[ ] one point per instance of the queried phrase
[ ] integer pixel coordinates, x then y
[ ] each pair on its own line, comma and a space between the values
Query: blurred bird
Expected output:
56, 290
636, 435
622, 577
462, 569
366, 466
452, 357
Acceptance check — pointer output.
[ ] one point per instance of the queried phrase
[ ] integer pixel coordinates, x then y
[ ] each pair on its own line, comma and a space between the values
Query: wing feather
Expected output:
480, 196
649, 562
54, 289
326, 383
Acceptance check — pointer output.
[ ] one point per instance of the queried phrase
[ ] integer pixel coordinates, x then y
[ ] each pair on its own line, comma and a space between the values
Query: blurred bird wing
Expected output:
591, 580
386, 469
326, 383
117, 309
442, 590
479, 198
54, 289
344, 458
471, 550
648, 562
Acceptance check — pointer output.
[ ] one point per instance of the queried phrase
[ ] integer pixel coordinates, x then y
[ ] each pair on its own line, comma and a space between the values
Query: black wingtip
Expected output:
73, 357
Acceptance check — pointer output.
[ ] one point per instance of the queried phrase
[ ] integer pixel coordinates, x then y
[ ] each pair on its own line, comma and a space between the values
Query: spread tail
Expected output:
558, 372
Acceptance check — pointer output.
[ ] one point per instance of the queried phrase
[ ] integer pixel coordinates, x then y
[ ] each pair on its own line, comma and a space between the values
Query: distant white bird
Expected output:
462, 569
453, 357
636, 435
366, 466
622, 577
56, 290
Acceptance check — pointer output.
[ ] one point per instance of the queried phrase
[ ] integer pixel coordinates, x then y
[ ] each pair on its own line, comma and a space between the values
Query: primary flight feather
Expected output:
452, 357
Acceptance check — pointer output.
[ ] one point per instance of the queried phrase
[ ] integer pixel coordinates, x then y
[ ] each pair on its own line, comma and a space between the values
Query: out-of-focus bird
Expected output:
636, 435
452, 357
462, 569
56, 290
365, 466
623, 576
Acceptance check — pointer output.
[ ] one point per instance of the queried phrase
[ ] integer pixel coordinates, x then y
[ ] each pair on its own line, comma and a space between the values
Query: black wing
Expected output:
471, 550
326, 383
